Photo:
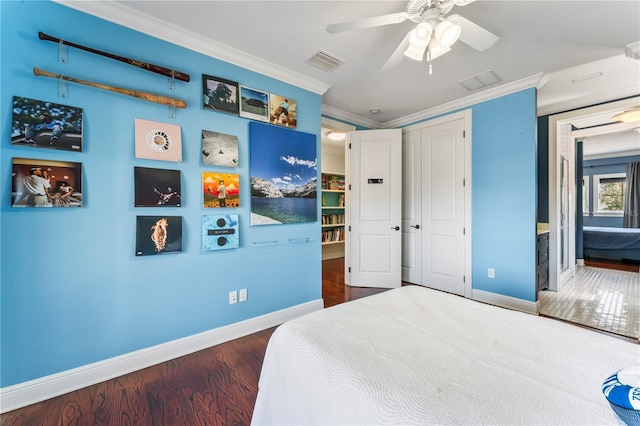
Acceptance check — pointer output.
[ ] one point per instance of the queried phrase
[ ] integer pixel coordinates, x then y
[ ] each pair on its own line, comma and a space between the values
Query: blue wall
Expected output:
599, 167
72, 290
504, 195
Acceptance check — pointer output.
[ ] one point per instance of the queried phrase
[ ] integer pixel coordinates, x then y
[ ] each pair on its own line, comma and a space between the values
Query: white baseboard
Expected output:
580, 262
505, 301
37, 390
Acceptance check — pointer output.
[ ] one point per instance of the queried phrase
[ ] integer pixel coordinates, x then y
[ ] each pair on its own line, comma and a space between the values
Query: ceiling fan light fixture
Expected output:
628, 116
419, 38
421, 34
447, 33
336, 136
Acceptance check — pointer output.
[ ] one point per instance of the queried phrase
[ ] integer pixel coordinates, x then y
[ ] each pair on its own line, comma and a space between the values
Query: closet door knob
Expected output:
397, 228
415, 226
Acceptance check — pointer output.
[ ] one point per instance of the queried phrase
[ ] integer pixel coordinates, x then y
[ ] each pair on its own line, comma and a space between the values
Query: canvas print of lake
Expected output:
283, 167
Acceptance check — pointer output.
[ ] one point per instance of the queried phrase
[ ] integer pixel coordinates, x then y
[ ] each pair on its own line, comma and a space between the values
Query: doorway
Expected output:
567, 271
332, 164
562, 135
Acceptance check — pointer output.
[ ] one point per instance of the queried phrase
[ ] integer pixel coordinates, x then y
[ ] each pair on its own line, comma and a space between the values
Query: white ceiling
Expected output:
546, 41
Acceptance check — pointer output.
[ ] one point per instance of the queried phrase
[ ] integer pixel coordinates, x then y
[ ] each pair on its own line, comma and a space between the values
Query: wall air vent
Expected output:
481, 80
325, 61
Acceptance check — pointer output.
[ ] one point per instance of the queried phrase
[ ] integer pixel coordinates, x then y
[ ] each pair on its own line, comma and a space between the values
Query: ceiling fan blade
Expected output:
473, 34
397, 54
376, 21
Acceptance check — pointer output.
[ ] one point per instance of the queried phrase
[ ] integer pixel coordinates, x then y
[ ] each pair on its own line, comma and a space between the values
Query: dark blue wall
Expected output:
543, 169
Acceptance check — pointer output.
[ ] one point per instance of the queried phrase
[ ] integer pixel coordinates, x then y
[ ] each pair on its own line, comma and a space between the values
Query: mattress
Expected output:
606, 238
418, 356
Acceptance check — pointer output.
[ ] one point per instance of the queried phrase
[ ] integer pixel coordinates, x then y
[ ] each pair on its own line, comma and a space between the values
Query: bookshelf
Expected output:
333, 214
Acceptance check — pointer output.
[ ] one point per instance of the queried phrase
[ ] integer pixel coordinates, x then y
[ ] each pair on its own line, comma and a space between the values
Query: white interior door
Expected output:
443, 206
375, 207
411, 208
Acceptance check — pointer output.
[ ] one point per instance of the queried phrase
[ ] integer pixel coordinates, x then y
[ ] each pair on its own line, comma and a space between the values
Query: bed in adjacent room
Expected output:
413, 355
614, 243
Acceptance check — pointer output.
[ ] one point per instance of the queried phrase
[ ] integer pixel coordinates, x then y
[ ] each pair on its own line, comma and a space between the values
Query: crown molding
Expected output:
334, 112
505, 89
135, 20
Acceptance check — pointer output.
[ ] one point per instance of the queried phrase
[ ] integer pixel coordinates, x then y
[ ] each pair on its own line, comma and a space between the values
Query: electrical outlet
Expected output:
233, 297
491, 273
243, 294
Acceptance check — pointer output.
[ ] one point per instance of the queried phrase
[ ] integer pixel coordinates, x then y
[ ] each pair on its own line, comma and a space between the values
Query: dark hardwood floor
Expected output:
215, 386
619, 265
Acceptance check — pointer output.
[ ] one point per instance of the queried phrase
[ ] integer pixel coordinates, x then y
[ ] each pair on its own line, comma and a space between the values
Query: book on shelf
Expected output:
332, 183
332, 219
333, 235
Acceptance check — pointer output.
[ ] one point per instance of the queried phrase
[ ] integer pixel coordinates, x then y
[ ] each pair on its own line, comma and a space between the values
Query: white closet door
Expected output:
443, 207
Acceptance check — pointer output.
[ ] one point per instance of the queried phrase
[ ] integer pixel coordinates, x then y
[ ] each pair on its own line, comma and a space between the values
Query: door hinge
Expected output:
349, 145
349, 269
464, 279
464, 230
349, 187
464, 133
349, 228
464, 182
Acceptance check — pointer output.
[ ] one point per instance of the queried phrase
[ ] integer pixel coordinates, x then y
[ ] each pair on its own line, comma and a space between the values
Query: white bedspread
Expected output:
418, 356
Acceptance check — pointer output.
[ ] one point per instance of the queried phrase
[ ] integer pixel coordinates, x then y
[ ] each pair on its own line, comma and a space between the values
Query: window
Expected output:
609, 194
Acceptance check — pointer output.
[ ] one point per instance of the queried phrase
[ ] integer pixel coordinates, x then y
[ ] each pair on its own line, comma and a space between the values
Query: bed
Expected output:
615, 243
413, 355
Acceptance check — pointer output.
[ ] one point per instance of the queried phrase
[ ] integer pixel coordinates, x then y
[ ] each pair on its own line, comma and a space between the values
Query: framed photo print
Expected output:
219, 149
44, 124
219, 94
156, 187
220, 232
158, 141
283, 168
158, 235
220, 190
46, 183
283, 111
254, 104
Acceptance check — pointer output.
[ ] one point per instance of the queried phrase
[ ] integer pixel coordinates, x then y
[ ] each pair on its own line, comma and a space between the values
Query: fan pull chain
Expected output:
429, 62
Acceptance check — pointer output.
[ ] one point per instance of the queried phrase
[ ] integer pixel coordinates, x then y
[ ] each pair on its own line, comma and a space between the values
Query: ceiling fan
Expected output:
434, 33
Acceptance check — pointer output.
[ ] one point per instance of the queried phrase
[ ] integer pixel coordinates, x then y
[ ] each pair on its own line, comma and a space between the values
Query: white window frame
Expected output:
585, 196
596, 193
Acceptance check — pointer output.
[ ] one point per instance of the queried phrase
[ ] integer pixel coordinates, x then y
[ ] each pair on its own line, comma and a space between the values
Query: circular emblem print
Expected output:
158, 140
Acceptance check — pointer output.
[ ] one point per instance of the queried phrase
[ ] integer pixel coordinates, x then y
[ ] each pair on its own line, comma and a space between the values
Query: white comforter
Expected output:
418, 356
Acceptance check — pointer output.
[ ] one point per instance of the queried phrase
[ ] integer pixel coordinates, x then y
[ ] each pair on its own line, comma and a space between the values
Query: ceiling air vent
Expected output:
481, 80
325, 61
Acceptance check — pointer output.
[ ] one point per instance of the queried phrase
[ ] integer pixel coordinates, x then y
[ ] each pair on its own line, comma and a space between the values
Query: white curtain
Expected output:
631, 217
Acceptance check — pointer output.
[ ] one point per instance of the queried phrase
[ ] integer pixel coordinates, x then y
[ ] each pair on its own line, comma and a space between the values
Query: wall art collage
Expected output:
283, 170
